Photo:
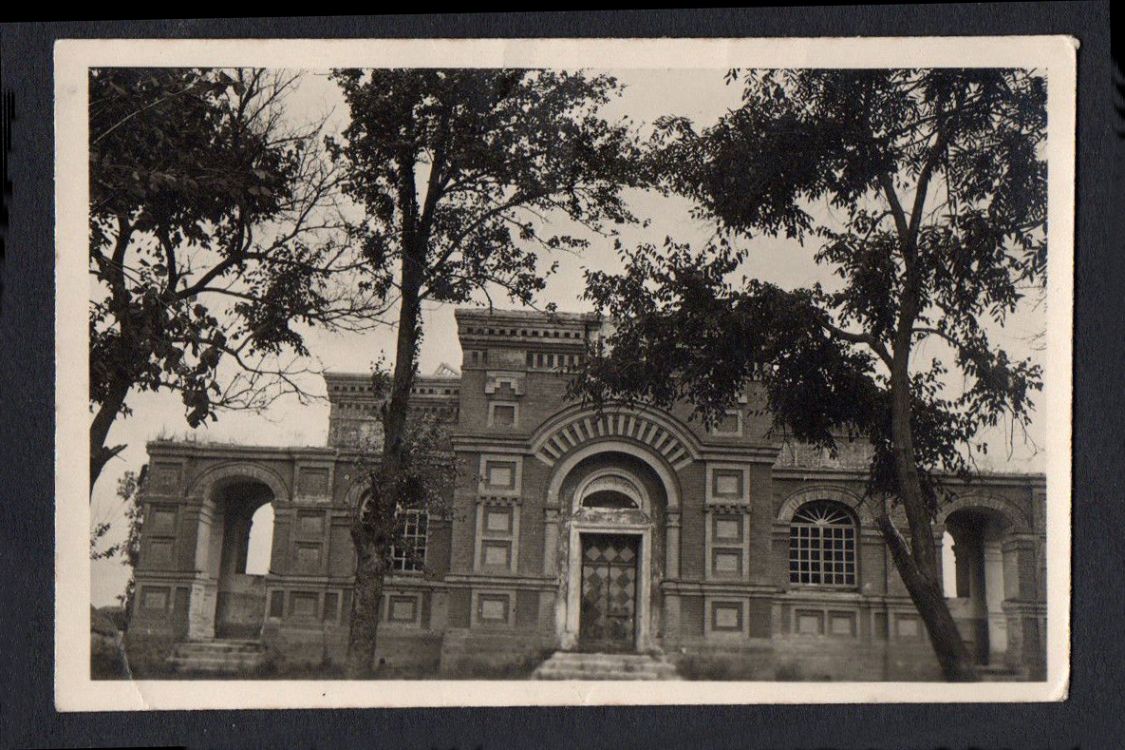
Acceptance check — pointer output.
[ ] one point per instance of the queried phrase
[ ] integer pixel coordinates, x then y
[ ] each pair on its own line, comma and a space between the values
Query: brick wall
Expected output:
445, 630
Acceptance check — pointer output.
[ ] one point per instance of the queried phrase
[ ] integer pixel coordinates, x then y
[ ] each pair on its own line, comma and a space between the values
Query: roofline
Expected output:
988, 477
194, 448
485, 313
366, 377
199, 449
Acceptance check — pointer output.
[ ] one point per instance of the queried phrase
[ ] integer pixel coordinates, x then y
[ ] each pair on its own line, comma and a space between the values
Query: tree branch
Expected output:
901, 222
875, 344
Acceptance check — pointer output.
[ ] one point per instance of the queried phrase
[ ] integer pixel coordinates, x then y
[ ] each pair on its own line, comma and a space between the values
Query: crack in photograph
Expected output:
728, 373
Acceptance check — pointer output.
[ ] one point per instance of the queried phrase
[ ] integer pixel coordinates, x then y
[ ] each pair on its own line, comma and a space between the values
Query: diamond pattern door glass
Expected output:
609, 592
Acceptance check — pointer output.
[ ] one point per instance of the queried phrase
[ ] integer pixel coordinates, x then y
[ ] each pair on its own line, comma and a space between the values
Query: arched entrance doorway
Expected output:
613, 538
612, 545
975, 588
235, 521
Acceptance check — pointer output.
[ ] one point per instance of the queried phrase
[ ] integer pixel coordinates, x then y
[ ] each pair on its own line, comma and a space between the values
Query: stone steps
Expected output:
991, 673
220, 645
565, 665
217, 656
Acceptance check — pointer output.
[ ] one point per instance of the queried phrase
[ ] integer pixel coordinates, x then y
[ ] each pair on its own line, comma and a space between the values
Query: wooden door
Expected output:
608, 619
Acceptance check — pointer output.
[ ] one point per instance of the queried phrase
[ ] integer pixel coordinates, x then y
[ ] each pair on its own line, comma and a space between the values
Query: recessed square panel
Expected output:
727, 562
154, 598
159, 552
493, 608
842, 623
501, 474
164, 477
495, 554
810, 623
503, 415
302, 604
728, 528
728, 483
907, 626
726, 616
308, 556
311, 524
728, 424
498, 520
161, 521
402, 609
312, 481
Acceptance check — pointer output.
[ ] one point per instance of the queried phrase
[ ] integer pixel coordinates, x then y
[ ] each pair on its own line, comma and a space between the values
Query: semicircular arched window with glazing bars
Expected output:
822, 543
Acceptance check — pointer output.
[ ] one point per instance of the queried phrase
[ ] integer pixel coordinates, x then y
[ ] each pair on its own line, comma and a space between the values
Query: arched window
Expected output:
408, 555
608, 490
408, 552
609, 499
822, 545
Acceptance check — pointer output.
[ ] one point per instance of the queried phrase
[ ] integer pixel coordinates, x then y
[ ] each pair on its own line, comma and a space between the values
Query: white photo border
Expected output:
74, 688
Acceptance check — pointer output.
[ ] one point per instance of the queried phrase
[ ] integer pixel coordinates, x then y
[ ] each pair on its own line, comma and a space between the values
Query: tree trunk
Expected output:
373, 540
368, 591
929, 600
114, 401
100, 454
918, 566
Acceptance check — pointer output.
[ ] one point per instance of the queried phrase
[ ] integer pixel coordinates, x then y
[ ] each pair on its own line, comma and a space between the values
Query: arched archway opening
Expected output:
975, 586
948, 566
259, 548
237, 556
613, 504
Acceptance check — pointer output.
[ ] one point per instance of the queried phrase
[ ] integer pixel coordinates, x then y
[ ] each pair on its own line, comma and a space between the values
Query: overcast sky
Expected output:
701, 95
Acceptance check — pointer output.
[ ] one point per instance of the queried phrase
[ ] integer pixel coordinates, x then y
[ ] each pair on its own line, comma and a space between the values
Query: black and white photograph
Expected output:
508, 372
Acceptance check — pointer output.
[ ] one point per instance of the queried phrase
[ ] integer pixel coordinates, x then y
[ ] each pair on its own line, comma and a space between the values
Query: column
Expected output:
672, 545
670, 618
1024, 609
550, 541
994, 600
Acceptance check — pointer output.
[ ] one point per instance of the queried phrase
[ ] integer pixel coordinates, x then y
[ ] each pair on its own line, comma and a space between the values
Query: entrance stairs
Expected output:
573, 665
1001, 673
217, 656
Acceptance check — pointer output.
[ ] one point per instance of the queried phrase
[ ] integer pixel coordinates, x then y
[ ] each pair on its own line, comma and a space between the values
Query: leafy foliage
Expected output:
459, 173
471, 164
925, 191
212, 238
130, 487
128, 492
425, 481
965, 143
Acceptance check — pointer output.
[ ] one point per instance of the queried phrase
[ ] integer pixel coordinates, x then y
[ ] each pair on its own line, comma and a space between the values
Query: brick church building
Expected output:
725, 553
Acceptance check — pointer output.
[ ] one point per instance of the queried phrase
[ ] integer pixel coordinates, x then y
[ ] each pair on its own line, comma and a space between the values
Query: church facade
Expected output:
627, 530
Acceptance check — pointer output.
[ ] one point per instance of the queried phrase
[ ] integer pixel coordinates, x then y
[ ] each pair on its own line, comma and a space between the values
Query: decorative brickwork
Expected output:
699, 522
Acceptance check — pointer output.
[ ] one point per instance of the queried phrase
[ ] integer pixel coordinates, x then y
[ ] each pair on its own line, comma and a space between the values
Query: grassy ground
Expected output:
268, 671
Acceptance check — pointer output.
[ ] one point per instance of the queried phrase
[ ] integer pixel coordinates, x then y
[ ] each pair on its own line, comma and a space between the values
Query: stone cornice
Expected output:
487, 443
191, 449
990, 479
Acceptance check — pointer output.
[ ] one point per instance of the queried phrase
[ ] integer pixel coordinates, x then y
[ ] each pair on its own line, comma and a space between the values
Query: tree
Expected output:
212, 238
458, 173
926, 192
130, 489
128, 492
423, 490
